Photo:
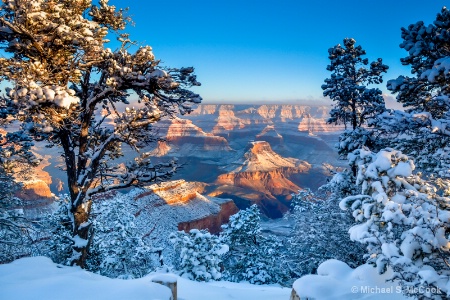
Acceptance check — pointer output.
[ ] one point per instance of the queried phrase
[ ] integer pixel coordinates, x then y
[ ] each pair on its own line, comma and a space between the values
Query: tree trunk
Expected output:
354, 116
82, 233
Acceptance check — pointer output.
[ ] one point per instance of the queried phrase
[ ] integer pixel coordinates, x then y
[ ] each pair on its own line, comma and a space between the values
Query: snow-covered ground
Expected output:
336, 280
37, 278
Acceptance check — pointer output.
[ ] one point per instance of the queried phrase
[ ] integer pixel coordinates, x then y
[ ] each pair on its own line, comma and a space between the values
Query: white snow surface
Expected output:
336, 280
38, 278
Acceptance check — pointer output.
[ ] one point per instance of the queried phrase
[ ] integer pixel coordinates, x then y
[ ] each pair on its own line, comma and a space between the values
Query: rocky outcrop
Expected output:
272, 183
229, 118
264, 176
227, 121
175, 192
34, 190
183, 205
310, 124
162, 148
259, 156
35, 183
212, 222
270, 135
183, 138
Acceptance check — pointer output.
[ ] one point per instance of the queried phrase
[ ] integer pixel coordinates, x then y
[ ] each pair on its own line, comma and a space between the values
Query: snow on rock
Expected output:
336, 280
167, 278
39, 278
259, 156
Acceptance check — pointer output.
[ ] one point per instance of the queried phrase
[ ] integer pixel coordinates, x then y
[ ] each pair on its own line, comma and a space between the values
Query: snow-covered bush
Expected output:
200, 254
16, 231
341, 185
403, 220
351, 140
422, 129
252, 256
118, 249
55, 238
319, 233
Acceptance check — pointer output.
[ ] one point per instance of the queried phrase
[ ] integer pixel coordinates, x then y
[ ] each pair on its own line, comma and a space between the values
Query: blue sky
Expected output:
254, 51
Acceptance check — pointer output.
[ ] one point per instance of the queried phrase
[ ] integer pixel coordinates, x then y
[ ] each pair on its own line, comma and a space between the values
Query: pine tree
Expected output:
403, 221
16, 231
355, 103
320, 232
421, 130
118, 249
200, 254
252, 256
68, 89
55, 237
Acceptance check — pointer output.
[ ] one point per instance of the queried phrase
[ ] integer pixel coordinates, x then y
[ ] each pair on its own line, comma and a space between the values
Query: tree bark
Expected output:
81, 232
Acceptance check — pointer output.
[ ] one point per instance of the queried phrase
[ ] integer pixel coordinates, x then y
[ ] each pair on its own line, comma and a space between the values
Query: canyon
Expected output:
251, 154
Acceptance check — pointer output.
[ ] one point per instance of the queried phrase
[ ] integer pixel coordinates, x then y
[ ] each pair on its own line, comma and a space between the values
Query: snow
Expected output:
336, 280
166, 278
403, 169
46, 280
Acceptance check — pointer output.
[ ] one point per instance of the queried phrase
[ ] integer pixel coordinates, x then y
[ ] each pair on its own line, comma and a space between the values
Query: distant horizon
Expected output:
389, 99
268, 102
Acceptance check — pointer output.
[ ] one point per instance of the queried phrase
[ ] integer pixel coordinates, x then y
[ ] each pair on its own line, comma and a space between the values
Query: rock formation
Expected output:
183, 138
262, 176
183, 206
34, 190
228, 118
270, 135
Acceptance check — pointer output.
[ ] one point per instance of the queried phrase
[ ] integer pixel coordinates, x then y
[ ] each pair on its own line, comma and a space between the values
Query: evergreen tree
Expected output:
320, 232
252, 256
118, 249
403, 221
16, 232
421, 130
355, 103
200, 254
68, 89
55, 238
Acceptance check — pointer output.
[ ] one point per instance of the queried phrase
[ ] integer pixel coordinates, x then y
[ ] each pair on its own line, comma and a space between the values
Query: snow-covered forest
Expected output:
381, 224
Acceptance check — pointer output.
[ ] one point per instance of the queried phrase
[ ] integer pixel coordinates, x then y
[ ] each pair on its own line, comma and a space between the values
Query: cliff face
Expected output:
270, 135
212, 222
262, 177
272, 183
175, 192
259, 156
183, 206
233, 117
183, 138
34, 190
226, 119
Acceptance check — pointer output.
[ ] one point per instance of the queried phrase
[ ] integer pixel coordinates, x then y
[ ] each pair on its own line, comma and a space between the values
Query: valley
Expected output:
248, 153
